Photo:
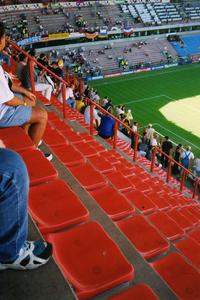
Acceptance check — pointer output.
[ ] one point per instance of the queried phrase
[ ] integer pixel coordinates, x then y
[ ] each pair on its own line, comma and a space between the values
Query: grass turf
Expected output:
146, 93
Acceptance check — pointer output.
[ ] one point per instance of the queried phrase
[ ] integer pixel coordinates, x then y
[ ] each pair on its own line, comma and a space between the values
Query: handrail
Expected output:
117, 122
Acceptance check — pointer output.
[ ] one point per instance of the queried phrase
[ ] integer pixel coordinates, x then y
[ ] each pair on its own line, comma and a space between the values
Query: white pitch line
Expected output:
147, 76
188, 142
144, 99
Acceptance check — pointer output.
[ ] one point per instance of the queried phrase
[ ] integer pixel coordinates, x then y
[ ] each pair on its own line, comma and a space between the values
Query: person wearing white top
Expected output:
196, 167
19, 112
96, 118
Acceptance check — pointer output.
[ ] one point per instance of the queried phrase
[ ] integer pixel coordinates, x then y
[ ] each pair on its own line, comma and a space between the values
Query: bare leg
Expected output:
37, 123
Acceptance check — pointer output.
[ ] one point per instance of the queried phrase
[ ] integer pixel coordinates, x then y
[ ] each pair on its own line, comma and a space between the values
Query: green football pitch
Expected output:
146, 93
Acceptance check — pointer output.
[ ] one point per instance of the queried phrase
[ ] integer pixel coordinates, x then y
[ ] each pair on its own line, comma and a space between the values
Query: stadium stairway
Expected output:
117, 230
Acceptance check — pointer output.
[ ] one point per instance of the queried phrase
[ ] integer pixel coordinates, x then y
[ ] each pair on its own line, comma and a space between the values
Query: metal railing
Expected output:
185, 172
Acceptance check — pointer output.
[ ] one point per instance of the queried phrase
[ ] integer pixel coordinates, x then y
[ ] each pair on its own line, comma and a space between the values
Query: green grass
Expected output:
146, 93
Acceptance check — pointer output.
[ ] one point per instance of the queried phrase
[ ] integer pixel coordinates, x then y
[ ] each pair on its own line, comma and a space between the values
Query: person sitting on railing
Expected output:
106, 128
16, 252
19, 112
96, 117
150, 131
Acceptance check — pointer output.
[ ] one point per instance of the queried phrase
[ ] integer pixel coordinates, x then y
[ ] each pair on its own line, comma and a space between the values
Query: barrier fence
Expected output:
184, 172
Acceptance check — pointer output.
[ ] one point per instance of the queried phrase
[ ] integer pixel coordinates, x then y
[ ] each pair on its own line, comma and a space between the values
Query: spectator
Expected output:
15, 251
106, 128
135, 129
96, 117
196, 167
70, 96
149, 131
45, 88
177, 154
129, 116
166, 147
187, 158
19, 112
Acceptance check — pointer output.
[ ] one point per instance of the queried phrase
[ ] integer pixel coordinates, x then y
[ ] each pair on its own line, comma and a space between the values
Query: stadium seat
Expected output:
68, 155
142, 203
52, 116
139, 184
16, 139
190, 249
90, 260
144, 236
166, 225
137, 292
182, 222
180, 276
189, 215
195, 235
53, 138
88, 177
113, 203
39, 168
61, 125
119, 181
71, 136
85, 149
159, 201
54, 206
101, 164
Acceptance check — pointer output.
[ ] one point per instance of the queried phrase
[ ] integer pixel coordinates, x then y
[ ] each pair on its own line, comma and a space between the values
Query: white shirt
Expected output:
69, 93
197, 164
87, 115
153, 142
5, 93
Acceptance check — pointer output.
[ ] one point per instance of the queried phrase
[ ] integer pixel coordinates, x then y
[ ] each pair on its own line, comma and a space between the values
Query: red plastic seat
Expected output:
190, 249
144, 236
16, 139
68, 155
160, 201
166, 225
137, 292
53, 138
119, 181
101, 164
85, 149
195, 211
61, 125
195, 235
88, 177
39, 168
190, 216
182, 278
139, 184
114, 203
142, 202
90, 260
72, 136
54, 206
52, 116
182, 222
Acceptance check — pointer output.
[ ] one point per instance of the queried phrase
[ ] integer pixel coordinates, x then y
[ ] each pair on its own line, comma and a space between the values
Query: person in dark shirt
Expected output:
106, 128
166, 148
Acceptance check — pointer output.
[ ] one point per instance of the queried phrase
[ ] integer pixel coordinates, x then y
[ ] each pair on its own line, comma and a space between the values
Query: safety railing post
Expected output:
32, 79
197, 181
182, 180
169, 170
136, 140
153, 159
91, 118
115, 134
64, 101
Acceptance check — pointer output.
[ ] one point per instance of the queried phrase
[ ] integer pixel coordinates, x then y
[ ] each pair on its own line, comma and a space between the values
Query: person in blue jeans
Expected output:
15, 251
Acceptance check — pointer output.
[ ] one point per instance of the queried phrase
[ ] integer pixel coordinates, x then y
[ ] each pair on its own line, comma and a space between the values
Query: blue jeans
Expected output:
14, 187
71, 102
